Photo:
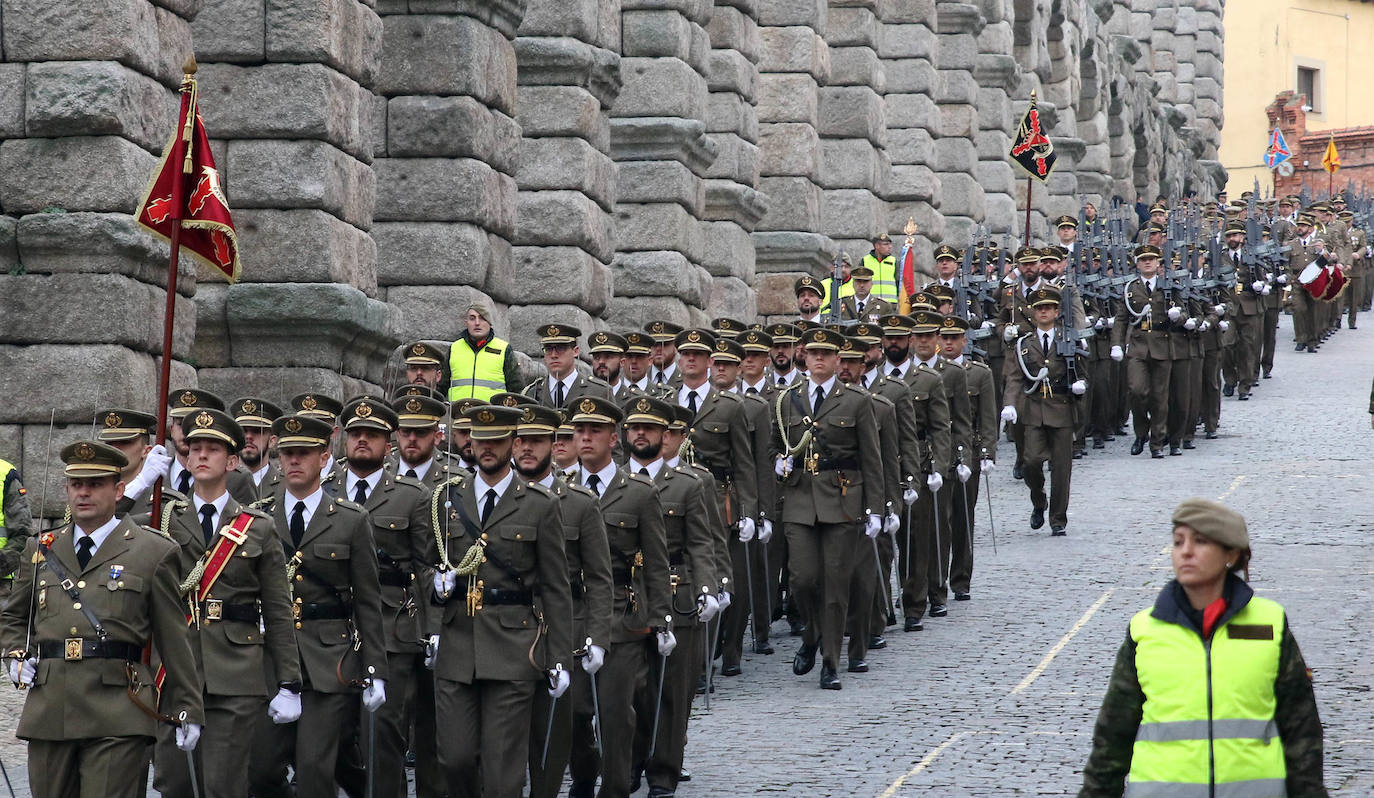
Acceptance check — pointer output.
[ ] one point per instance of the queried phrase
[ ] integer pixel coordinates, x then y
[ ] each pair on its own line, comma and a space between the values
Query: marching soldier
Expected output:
239, 607
1357, 268
664, 354
564, 384
783, 354
1247, 312
507, 623
982, 448
589, 575
255, 416
398, 509
418, 456
181, 403
608, 352
1306, 246
81, 648
132, 432
332, 571
643, 611
832, 488
1141, 333
1184, 321
424, 365
692, 584
1041, 398
637, 365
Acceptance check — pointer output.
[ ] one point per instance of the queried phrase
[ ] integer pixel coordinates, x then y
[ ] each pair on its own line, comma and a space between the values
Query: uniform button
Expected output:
300, 554
517, 535
76, 605
298, 624
73, 631
484, 559
81, 584
300, 578
393, 526
121, 584
331, 555
484, 536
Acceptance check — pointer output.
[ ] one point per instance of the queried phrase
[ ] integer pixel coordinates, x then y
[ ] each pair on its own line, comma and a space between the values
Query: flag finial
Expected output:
190, 67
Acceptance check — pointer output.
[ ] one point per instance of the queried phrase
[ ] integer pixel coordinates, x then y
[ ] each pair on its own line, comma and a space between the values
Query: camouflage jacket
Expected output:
1300, 728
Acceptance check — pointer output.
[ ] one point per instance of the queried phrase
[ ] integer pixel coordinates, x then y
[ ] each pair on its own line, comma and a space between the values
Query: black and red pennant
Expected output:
1032, 147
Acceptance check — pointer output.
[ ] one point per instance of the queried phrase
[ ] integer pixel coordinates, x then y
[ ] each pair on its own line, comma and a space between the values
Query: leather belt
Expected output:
394, 578
677, 558
75, 649
621, 577
722, 473
496, 595
216, 610
838, 464
321, 612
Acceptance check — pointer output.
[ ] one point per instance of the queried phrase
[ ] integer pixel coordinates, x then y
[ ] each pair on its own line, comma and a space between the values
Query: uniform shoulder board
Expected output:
641, 478
349, 505
882, 399
256, 513
577, 487
414, 482
730, 396
540, 489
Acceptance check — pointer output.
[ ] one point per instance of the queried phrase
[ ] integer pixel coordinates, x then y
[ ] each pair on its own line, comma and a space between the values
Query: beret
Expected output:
1214, 521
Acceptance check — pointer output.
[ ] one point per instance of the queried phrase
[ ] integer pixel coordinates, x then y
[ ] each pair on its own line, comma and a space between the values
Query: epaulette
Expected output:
880, 398
414, 482
641, 478
733, 397
580, 488
349, 505
540, 489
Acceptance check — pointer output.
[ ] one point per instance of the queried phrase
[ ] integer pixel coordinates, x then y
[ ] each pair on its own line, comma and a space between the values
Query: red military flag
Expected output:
1032, 148
186, 190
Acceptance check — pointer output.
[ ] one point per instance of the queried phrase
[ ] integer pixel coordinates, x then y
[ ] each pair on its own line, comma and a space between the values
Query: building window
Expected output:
1310, 86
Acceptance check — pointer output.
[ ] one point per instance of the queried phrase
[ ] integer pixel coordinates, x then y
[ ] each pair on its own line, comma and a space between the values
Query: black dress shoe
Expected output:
1137, 446
1211, 435
938, 610
1188, 445
805, 660
730, 670
876, 642
1016, 471
912, 625
762, 647
1078, 454
1311, 350
891, 618
858, 666
1228, 390
1157, 454
1299, 347
961, 596
685, 775
1353, 327
1057, 532
660, 792
1037, 517
1268, 374
1175, 450
1099, 443
587, 789
1244, 397
829, 680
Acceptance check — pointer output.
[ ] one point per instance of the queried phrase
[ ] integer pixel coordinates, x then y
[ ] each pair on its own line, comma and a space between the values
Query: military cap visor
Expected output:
946, 251
254, 413
926, 322
92, 459
558, 334
784, 333
458, 410
727, 327
862, 273
1066, 221
852, 348
317, 405
213, 425
423, 354
538, 420
511, 399
662, 331
729, 350
595, 410
418, 412
125, 425
682, 417
896, 325
1028, 255
493, 422
756, 341
184, 401
1043, 296
647, 410
953, 325
694, 341
1147, 251
369, 413
302, 430
807, 283
869, 334
638, 343
822, 339
602, 342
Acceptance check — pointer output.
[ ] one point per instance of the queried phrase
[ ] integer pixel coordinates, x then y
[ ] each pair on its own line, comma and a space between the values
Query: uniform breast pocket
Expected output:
622, 526
127, 592
331, 560
519, 542
840, 428
241, 570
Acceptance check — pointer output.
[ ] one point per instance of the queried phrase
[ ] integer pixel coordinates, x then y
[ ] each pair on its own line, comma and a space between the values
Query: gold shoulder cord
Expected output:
472, 559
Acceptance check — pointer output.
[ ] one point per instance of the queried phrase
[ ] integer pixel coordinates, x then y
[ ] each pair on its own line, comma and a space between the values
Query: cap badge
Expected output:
85, 451
204, 420
413, 406
187, 399
249, 406
693, 336
364, 410
553, 330
599, 338
527, 415
486, 416
292, 425
509, 401
642, 406
418, 349
309, 403
113, 420
586, 406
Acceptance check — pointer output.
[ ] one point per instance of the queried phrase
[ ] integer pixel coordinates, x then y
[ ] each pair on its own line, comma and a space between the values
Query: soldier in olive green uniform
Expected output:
1357, 268
132, 432
1306, 245
255, 416
90, 597
332, 570
832, 490
230, 567
503, 588
182, 402
978, 458
564, 384
1141, 336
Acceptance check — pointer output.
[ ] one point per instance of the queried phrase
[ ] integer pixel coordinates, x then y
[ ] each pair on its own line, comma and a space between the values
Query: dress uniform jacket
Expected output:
635, 535
690, 543
983, 402
721, 441
720, 536
849, 483
506, 641
583, 385
130, 584
960, 410
1035, 408
874, 309
337, 549
907, 434
589, 563
269, 482
930, 404
1148, 338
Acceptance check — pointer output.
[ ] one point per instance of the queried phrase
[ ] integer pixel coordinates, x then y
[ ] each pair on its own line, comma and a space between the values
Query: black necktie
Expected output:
1046, 338
83, 550
298, 524
644, 472
781, 382
859, 308
207, 522
488, 504
658, 378
816, 403
594, 482
410, 472
751, 390
692, 402
184, 483
360, 492
864, 380
558, 395
896, 372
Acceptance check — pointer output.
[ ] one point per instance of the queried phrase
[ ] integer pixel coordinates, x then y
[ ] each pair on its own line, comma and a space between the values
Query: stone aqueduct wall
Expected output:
598, 162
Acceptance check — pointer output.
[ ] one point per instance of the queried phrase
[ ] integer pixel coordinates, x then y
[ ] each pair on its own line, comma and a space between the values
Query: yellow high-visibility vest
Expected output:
476, 374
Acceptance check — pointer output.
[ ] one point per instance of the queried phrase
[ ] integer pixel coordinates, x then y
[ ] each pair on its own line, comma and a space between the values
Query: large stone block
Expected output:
907, 41
850, 213
910, 182
992, 144
736, 159
728, 201
954, 155
563, 111
731, 71
561, 275
436, 311
443, 127
912, 111
788, 149
852, 26
569, 163
301, 174
733, 29
791, 252
857, 66
174, 46
659, 181
811, 13
564, 218
523, 320
910, 76
96, 243
345, 34
728, 251
660, 274
665, 226
288, 101
774, 296
116, 30
305, 246
662, 138
77, 173
910, 145
12, 95
44, 378
995, 176
69, 98
727, 112
632, 313
851, 163
732, 298
445, 190
795, 49
957, 86
794, 204
231, 30
788, 98
660, 87
960, 195
656, 33
324, 325
579, 19
27, 305
434, 253
958, 120
908, 11
851, 112
447, 55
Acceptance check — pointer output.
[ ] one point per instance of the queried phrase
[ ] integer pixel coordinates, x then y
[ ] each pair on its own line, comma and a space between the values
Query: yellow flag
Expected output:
1331, 161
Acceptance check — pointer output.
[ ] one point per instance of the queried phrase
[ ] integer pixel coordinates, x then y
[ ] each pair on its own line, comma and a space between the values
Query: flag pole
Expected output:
1030, 186
188, 87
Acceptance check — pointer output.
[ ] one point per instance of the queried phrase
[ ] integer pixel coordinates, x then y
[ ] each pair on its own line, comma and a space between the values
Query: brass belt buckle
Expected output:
72, 652
214, 610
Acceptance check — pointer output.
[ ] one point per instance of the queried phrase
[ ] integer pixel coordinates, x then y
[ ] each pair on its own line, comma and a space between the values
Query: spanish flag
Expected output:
1331, 161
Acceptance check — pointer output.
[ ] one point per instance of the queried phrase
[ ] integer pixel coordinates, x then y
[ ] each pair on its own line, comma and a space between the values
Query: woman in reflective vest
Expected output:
480, 364
1210, 696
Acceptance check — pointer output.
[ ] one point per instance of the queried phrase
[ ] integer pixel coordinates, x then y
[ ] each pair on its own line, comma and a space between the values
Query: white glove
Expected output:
1089, 319
765, 531
666, 642
746, 530
285, 708
963, 472
1204, 326
1266, 290
1100, 324
782, 467
1009, 333
707, 607
1079, 387
444, 582
723, 599
23, 671
891, 523
593, 659
1282, 279
1117, 354
559, 681
1258, 286
154, 465
1110, 321
874, 525
1190, 324
431, 651
1009, 413
1175, 314
909, 496
1223, 325
988, 325
1220, 310
188, 734
986, 466
935, 482
374, 695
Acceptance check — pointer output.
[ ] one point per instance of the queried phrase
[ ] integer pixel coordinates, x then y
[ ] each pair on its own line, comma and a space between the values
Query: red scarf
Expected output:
1211, 615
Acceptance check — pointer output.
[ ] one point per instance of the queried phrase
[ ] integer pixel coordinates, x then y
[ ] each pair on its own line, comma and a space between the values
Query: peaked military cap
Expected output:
726, 327
538, 420
1235, 226
852, 348
318, 405
604, 342
662, 331
862, 273
869, 334
694, 341
895, 325
648, 410
1043, 296
784, 333
553, 334
125, 425
755, 341
1054, 252
184, 401
924, 299
638, 342
302, 430
823, 339
925, 321
1027, 255
881, 237
1066, 221
804, 325
458, 410
953, 325
1307, 219
92, 459
253, 412
214, 425
595, 410
419, 389
940, 292
511, 399
1147, 251
423, 354
493, 422
807, 283
946, 251
418, 412
682, 418
1159, 207
369, 413
728, 349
